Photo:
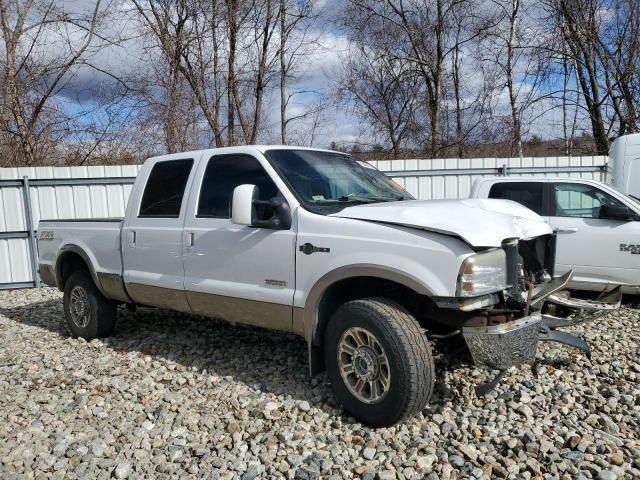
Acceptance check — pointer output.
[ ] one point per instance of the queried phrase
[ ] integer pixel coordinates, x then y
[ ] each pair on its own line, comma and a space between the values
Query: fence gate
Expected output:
28, 195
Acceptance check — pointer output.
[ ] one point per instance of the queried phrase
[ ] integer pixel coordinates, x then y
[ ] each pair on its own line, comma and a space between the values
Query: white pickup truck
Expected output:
597, 224
322, 244
598, 227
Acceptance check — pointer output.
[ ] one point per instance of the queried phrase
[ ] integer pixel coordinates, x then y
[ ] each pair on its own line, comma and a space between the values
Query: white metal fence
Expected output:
30, 194
452, 178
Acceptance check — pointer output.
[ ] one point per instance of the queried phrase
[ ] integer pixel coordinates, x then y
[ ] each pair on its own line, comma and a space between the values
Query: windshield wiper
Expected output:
369, 199
354, 199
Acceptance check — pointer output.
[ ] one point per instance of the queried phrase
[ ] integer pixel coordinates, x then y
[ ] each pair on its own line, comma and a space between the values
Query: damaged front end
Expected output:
531, 308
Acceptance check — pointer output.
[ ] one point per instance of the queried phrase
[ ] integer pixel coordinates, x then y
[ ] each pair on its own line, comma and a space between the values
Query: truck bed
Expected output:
97, 239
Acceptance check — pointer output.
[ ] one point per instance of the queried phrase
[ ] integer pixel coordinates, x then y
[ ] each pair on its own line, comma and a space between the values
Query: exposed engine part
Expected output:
444, 336
529, 261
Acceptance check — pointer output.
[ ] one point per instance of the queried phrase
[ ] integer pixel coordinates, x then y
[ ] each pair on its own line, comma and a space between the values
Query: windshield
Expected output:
630, 198
329, 181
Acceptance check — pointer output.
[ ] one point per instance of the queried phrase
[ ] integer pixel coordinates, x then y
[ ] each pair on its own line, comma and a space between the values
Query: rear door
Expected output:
152, 235
597, 250
242, 274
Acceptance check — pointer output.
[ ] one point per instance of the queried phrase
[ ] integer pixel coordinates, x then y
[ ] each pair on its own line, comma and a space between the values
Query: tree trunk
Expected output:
516, 137
283, 72
170, 125
231, 74
456, 93
260, 78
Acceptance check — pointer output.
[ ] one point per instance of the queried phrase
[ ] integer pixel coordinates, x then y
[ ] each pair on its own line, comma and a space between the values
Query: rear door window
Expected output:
163, 194
529, 194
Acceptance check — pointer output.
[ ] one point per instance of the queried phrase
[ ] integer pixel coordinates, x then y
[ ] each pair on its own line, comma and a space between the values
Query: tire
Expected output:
96, 317
395, 388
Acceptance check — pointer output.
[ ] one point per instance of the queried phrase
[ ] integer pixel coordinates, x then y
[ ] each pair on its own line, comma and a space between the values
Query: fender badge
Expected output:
308, 249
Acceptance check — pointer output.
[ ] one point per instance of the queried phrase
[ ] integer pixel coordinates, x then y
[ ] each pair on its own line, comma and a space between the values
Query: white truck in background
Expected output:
597, 224
323, 245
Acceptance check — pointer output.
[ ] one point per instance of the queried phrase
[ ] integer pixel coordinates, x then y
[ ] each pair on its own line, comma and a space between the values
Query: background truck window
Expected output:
165, 189
223, 174
528, 194
580, 201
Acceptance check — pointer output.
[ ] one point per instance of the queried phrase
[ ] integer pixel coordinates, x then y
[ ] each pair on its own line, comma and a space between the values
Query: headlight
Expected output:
482, 273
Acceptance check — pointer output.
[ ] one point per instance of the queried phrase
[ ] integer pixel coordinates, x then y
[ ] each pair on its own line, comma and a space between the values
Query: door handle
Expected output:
132, 238
566, 230
190, 239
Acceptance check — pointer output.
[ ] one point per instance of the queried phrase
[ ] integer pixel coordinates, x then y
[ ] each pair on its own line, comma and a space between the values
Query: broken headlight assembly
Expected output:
482, 273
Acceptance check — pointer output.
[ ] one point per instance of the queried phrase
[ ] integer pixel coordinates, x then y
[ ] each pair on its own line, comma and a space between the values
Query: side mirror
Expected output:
246, 209
243, 211
616, 212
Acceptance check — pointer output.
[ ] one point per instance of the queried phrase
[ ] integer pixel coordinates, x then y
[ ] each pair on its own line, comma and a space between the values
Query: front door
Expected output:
152, 236
240, 273
595, 249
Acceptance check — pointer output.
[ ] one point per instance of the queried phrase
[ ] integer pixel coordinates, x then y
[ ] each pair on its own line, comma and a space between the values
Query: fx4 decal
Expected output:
633, 249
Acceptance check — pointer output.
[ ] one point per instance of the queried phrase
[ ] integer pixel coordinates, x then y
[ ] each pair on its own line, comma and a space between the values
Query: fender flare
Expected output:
307, 317
71, 248
314, 298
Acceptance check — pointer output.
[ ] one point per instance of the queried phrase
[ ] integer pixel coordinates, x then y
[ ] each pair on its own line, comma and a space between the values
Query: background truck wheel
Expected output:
378, 360
89, 314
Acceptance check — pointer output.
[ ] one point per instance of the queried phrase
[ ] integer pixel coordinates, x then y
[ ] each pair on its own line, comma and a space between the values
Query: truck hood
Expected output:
479, 222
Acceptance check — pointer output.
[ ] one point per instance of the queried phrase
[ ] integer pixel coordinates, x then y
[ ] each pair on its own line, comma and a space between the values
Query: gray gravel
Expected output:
171, 395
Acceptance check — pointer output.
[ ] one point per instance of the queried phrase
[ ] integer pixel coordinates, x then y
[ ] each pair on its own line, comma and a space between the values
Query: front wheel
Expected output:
379, 361
89, 314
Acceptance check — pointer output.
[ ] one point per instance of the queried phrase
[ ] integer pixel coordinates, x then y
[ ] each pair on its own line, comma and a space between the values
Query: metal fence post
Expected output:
33, 247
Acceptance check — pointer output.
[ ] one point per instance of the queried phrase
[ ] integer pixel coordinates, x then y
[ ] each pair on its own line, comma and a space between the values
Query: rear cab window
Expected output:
165, 188
529, 194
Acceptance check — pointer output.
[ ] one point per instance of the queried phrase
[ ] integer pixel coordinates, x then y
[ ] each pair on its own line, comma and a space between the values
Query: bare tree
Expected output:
295, 41
384, 90
32, 76
420, 27
260, 57
580, 20
619, 50
511, 49
168, 23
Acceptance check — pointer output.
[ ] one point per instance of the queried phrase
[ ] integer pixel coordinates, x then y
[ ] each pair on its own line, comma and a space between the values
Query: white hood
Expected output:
479, 222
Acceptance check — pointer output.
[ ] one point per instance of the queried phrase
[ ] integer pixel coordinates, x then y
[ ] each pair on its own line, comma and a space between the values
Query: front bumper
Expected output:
501, 346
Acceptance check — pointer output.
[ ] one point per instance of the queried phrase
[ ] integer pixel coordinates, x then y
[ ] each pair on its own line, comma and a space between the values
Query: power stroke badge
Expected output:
632, 249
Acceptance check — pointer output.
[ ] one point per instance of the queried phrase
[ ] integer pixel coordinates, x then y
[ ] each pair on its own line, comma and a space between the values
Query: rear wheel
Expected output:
378, 360
89, 314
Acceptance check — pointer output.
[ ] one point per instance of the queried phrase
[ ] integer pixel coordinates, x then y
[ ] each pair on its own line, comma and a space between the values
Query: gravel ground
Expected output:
171, 395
